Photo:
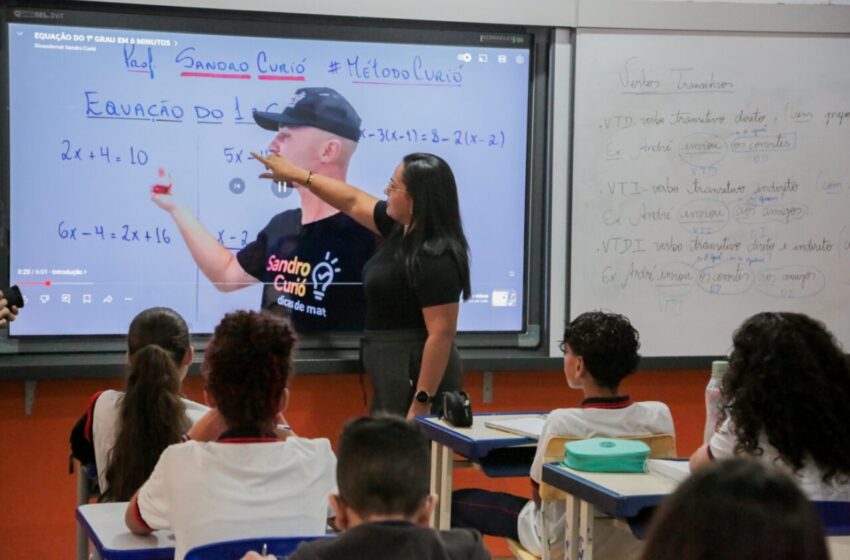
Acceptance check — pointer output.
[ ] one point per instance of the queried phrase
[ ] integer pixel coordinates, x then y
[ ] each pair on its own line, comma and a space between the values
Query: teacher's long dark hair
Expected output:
435, 227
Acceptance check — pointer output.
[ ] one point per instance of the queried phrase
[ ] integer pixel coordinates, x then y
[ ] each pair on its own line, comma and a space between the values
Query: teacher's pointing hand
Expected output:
281, 169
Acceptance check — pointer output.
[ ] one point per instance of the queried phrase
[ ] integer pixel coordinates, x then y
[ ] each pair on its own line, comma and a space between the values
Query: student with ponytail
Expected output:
123, 433
238, 476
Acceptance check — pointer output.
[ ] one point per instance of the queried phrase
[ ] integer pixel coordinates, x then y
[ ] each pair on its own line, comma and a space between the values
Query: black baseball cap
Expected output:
320, 107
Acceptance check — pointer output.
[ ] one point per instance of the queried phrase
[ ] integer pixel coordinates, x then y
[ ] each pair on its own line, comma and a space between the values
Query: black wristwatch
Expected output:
423, 397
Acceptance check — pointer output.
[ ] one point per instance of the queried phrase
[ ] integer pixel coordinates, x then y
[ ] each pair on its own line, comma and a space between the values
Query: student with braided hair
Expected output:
238, 476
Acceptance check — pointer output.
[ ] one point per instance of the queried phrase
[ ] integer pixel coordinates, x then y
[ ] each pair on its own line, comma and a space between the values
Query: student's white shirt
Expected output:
106, 422
809, 478
216, 491
547, 524
638, 419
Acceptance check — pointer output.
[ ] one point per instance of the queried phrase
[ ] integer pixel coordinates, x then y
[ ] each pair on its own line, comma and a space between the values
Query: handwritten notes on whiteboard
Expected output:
711, 181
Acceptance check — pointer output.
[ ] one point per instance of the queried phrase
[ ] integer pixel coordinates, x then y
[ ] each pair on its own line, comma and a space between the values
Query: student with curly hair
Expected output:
600, 350
124, 432
237, 477
736, 508
786, 401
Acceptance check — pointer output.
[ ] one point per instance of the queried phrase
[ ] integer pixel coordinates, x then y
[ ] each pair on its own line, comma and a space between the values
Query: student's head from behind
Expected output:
736, 508
789, 384
602, 346
162, 333
318, 129
246, 366
382, 472
152, 414
423, 195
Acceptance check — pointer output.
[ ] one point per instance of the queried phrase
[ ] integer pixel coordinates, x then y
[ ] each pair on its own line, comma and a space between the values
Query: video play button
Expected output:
281, 189
237, 185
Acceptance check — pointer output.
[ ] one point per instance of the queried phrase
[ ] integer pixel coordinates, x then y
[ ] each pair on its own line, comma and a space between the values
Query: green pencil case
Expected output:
606, 455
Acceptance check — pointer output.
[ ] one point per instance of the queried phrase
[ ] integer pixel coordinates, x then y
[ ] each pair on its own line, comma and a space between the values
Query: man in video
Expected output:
310, 258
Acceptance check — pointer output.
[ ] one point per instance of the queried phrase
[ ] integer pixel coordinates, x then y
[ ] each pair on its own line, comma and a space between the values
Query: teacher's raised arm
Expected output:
358, 204
413, 284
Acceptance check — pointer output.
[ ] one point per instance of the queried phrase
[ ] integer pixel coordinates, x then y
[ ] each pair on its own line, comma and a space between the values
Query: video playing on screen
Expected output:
130, 168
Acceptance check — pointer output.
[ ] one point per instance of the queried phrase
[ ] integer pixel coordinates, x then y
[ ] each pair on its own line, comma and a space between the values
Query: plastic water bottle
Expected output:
712, 396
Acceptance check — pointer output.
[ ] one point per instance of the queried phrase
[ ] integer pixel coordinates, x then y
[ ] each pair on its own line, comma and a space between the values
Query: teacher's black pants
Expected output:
391, 359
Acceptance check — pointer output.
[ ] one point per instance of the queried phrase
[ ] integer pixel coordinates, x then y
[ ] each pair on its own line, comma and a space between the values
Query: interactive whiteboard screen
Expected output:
101, 116
711, 181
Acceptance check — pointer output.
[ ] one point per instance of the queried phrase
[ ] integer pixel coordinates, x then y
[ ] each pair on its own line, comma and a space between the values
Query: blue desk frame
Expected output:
104, 524
633, 498
498, 453
606, 500
621, 495
835, 517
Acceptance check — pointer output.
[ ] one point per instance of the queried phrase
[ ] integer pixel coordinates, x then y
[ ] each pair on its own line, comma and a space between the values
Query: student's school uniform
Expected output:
809, 478
95, 433
243, 485
398, 540
598, 417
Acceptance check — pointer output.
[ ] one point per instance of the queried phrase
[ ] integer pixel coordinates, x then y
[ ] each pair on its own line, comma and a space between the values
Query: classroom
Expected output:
680, 162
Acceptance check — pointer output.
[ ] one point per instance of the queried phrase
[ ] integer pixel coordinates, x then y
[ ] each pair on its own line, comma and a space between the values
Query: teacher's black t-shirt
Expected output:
312, 272
391, 301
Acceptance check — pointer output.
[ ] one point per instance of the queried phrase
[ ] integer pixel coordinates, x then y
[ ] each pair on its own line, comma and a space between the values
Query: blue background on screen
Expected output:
81, 214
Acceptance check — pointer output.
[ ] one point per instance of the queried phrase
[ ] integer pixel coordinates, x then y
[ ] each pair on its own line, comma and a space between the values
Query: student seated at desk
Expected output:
736, 508
383, 504
237, 477
786, 401
124, 433
600, 350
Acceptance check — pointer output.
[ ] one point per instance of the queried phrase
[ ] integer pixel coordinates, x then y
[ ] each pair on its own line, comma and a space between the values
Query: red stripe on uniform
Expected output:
137, 513
610, 406
249, 440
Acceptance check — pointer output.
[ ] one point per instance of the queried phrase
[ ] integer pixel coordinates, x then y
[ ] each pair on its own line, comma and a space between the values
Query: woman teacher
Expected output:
413, 283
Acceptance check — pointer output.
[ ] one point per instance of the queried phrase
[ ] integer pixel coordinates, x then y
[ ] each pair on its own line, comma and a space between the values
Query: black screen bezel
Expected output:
230, 22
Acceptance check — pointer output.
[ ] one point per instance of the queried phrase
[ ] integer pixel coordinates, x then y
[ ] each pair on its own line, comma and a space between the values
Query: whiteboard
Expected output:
711, 181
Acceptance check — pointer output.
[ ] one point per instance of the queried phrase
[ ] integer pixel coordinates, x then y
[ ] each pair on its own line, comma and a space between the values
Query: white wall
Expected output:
813, 16
542, 12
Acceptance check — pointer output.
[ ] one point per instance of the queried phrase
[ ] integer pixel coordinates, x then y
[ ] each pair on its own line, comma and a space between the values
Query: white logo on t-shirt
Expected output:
323, 276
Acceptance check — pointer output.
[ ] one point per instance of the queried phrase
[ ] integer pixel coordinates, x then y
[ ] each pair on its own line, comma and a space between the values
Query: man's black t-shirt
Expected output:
312, 272
391, 301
